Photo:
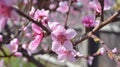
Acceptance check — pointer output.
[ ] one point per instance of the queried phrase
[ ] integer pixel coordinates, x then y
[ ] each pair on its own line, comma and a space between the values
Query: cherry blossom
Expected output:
90, 59
13, 46
38, 35
63, 7
41, 15
62, 37
115, 50
95, 5
64, 54
6, 12
89, 21
53, 25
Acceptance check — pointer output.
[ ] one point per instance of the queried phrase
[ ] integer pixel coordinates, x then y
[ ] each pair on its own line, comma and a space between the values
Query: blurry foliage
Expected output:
117, 5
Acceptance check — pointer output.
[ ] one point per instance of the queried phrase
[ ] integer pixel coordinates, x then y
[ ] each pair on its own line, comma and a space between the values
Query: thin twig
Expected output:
109, 20
32, 20
66, 20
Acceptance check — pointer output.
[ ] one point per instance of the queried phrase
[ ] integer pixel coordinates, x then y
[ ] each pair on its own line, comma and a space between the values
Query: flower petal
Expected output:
61, 58
53, 25
36, 28
55, 46
68, 45
35, 43
70, 33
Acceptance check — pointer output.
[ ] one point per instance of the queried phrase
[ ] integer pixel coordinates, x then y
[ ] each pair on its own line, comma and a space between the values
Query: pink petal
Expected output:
70, 33
36, 28
13, 46
90, 60
71, 57
60, 30
68, 45
35, 43
55, 46
61, 58
53, 25
115, 50
18, 54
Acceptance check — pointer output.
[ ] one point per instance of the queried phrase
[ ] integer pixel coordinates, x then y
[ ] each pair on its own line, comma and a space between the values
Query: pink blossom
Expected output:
89, 21
13, 46
115, 50
102, 51
1, 38
63, 7
35, 43
5, 7
90, 60
18, 54
37, 38
36, 29
61, 37
64, 54
41, 15
53, 25
95, 5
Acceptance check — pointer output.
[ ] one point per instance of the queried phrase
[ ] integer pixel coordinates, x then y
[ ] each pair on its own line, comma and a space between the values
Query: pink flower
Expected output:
35, 43
18, 54
53, 25
95, 5
61, 37
1, 38
90, 60
89, 21
41, 15
13, 46
115, 50
64, 54
6, 12
38, 35
63, 7
36, 29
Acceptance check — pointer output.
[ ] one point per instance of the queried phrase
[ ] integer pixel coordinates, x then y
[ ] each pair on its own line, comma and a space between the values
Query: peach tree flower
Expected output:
6, 12
62, 37
13, 47
38, 35
64, 54
63, 7
95, 5
89, 21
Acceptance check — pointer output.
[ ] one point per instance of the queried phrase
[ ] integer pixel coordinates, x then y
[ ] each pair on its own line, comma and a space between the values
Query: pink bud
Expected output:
90, 60
18, 54
115, 50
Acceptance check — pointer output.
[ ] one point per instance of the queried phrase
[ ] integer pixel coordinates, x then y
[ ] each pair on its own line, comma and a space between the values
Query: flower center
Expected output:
61, 38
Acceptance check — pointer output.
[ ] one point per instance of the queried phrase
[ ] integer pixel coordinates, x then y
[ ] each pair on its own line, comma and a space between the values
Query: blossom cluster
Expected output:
62, 36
